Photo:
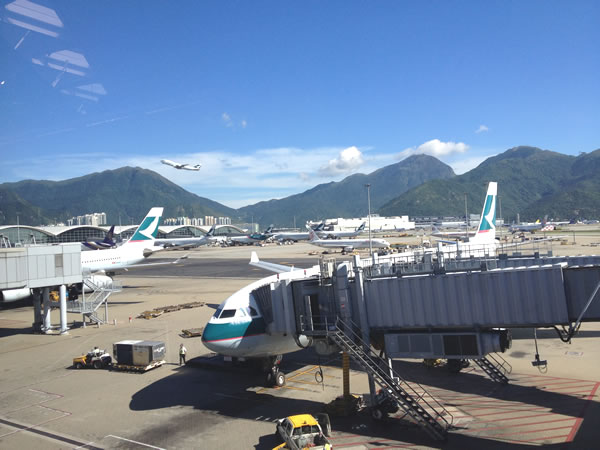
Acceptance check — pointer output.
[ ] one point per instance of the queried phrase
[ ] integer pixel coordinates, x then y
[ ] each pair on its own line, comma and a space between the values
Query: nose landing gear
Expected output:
274, 376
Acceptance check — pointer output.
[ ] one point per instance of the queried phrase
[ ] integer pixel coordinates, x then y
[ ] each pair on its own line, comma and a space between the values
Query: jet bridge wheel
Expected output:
377, 413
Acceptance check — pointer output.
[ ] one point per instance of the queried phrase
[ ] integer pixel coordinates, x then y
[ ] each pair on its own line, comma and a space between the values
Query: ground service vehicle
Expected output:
304, 431
98, 359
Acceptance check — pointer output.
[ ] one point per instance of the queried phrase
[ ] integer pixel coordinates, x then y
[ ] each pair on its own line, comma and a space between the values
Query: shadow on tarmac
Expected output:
225, 394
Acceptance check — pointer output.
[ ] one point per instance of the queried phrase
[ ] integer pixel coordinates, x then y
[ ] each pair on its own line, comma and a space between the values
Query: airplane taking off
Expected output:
194, 167
105, 243
347, 245
341, 234
238, 328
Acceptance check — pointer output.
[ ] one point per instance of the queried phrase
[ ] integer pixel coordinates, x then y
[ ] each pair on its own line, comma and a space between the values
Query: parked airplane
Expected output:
251, 238
347, 245
482, 243
530, 227
105, 243
238, 328
100, 264
188, 242
451, 234
341, 234
194, 167
296, 236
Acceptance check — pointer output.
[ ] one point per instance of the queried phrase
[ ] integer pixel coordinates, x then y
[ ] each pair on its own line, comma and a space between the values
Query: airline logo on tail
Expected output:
148, 229
487, 223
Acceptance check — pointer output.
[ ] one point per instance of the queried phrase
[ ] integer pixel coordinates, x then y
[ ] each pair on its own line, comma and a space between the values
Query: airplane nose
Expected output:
210, 336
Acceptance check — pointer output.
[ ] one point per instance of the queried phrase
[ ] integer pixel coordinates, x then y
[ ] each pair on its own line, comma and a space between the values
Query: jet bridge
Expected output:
433, 308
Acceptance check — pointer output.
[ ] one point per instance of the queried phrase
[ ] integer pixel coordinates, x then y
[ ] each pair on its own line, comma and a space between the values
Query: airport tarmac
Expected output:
44, 402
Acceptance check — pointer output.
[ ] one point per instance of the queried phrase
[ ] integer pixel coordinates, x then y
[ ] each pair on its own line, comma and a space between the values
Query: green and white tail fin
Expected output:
148, 229
486, 231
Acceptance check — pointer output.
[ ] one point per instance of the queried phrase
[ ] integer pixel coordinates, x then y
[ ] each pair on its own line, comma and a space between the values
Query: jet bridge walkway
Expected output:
449, 309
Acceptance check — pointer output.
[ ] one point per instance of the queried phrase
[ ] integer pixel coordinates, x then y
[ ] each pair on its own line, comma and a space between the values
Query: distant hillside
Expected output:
128, 192
348, 198
531, 182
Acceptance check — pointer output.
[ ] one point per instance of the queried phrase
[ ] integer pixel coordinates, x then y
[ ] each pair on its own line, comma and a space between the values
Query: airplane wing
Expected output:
277, 268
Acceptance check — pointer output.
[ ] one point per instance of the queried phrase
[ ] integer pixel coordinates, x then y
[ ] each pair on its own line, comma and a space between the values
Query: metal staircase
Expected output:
429, 414
90, 302
496, 367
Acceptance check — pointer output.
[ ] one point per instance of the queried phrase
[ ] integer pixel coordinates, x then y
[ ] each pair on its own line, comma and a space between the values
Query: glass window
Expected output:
217, 312
227, 313
252, 312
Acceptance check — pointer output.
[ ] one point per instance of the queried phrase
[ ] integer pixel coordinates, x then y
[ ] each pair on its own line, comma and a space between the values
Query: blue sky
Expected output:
275, 97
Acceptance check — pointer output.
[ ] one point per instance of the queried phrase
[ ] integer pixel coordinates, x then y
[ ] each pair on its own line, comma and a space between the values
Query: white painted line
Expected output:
135, 442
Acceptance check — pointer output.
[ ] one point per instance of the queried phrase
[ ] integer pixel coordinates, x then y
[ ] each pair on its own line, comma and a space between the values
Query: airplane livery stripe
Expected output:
224, 331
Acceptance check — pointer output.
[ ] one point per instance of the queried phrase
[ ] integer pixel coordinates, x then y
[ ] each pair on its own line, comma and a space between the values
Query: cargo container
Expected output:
138, 353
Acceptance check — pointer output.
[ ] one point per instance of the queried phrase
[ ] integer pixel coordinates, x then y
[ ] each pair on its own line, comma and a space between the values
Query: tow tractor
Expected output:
96, 358
304, 431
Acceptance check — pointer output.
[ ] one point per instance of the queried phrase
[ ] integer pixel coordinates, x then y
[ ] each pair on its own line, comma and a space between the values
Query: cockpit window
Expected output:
227, 313
252, 311
217, 312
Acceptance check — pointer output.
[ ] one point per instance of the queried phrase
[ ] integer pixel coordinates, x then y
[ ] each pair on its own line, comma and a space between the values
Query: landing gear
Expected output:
274, 376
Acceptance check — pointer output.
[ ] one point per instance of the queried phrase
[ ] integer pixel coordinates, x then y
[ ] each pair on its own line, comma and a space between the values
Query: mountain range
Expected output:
531, 182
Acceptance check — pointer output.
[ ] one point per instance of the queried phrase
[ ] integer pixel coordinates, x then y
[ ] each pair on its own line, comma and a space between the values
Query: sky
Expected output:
276, 97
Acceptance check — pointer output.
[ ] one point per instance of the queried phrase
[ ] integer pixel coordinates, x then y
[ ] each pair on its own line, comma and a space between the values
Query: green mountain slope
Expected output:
348, 198
531, 182
128, 192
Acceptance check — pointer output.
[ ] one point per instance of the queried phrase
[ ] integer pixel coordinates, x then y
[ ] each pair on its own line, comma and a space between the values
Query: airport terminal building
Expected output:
378, 223
18, 235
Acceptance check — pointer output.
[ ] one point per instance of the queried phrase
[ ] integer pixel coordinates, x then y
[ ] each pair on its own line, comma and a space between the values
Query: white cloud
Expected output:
348, 161
481, 129
244, 124
227, 119
436, 148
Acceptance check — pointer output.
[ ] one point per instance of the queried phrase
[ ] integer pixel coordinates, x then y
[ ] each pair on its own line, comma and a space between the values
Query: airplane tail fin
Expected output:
486, 231
312, 236
362, 226
211, 232
148, 229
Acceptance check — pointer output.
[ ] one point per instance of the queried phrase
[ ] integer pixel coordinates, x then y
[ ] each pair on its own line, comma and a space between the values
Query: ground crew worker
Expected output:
182, 352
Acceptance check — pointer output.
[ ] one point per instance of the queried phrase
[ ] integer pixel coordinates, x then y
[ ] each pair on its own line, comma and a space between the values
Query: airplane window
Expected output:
227, 313
253, 312
217, 312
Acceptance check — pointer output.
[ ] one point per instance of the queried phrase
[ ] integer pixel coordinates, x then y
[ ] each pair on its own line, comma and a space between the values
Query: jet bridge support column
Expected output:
362, 311
63, 308
38, 320
46, 314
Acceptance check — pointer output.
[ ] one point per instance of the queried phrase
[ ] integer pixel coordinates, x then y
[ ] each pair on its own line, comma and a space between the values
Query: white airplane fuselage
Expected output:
239, 330
118, 258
